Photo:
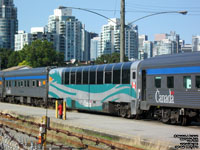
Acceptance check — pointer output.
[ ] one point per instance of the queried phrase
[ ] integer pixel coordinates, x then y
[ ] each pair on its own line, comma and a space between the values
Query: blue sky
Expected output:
35, 13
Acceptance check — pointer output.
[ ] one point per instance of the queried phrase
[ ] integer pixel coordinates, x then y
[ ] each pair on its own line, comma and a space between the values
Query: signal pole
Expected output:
122, 31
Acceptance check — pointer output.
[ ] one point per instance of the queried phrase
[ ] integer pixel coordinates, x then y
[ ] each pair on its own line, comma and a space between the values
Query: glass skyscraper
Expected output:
8, 23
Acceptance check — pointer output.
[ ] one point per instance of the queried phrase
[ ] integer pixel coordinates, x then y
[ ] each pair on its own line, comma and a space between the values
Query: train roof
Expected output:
182, 59
25, 72
101, 67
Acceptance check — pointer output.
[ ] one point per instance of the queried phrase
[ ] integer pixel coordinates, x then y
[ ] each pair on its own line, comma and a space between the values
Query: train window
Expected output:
93, 74
158, 82
198, 81
6, 83
37, 83
85, 77
27, 83
100, 77
9, 83
66, 78
33, 83
21, 83
187, 82
170, 82
133, 77
92, 77
63, 77
100, 74
18, 83
126, 76
108, 77
117, 73
116, 76
78, 77
73, 77
15, 83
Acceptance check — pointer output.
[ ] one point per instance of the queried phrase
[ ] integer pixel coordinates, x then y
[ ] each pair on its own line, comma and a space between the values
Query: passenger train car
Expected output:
163, 87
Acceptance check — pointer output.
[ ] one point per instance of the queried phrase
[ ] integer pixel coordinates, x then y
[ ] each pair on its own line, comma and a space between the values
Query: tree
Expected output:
41, 54
107, 58
14, 59
4, 57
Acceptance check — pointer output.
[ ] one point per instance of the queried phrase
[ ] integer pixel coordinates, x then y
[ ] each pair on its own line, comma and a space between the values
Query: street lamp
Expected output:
122, 33
158, 13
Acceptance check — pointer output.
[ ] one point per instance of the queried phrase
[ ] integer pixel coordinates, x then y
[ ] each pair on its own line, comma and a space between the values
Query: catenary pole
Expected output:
122, 31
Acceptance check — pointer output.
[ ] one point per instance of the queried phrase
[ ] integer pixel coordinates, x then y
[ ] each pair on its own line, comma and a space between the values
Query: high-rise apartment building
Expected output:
94, 46
145, 47
196, 43
110, 39
8, 23
38, 33
21, 39
166, 44
71, 33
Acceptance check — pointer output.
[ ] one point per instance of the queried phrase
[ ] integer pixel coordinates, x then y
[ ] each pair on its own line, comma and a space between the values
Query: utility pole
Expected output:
122, 31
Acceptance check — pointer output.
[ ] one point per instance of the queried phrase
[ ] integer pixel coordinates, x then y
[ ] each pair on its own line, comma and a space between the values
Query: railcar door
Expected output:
133, 84
143, 85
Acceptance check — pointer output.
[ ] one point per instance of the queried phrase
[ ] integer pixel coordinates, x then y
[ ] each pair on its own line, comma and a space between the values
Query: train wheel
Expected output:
123, 112
129, 115
166, 116
185, 120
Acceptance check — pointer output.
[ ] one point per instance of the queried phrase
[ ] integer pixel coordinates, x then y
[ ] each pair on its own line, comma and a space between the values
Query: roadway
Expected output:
152, 131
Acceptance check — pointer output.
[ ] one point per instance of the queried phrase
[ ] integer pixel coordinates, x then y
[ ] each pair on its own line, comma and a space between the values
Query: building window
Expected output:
170, 82
158, 82
197, 81
187, 82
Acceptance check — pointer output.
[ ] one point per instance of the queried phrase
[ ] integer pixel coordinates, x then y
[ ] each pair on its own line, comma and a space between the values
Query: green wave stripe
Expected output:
125, 91
56, 77
122, 85
53, 94
92, 88
66, 92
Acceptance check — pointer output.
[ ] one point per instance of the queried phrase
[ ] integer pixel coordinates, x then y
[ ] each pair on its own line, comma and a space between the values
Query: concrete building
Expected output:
196, 43
71, 34
21, 39
145, 47
94, 46
166, 44
110, 39
186, 48
8, 23
163, 47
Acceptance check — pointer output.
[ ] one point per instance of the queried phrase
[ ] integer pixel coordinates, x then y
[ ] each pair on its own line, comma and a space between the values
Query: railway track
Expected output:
60, 138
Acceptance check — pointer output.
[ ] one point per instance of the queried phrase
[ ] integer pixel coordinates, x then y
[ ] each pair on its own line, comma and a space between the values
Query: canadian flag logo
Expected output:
171, 92
134, 85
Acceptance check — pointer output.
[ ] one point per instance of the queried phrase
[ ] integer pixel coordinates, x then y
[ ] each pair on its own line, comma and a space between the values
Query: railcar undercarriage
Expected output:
180, 116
